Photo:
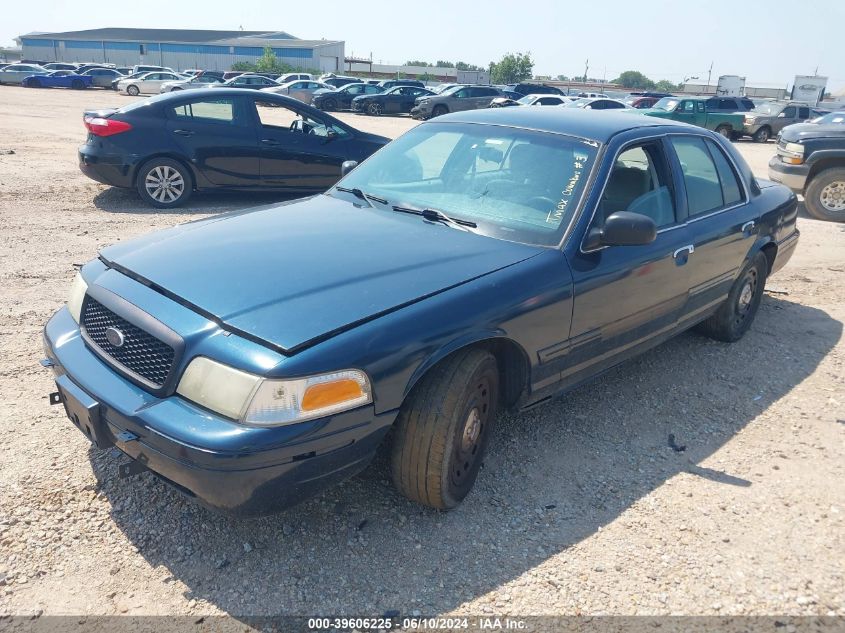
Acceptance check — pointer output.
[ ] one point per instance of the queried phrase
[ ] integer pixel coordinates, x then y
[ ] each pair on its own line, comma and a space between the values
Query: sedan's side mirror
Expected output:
347, 166
623, 228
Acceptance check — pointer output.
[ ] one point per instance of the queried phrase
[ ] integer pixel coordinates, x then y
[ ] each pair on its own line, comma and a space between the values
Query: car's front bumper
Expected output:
793, 176
223, 465
419, 113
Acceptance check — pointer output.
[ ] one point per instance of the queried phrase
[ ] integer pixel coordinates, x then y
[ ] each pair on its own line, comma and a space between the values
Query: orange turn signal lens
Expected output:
792, 160
326, 394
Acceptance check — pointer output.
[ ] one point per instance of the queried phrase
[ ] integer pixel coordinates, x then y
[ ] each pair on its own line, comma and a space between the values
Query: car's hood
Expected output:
294, 274
663, 114
799, 131
325, 91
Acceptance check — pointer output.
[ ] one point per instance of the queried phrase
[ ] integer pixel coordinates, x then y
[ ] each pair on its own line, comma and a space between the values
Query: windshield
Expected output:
768, 109
515, 184
833, 117
527, 100
666, 103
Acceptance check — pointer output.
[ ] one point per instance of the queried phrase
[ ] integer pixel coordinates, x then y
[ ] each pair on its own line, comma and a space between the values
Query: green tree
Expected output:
634, 79
664, 85
512, 68
425, 77
562, 78
465, 66
417, 63
441, 64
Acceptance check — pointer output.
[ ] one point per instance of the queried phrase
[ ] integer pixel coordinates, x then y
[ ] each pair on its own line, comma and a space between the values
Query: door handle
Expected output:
270, 141
689, 249
748, 228
184, 132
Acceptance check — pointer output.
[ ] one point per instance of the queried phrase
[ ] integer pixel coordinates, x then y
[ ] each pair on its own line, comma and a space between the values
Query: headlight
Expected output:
77, 293
256, 401
796, 148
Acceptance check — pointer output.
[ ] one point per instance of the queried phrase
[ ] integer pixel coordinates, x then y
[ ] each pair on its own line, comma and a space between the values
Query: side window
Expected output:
789, 112
699, 107
371, 90
728, 104
703, 185
731, 191
273, 115
221, 110
355, 89
461, 94
639, 182
688, 106
803, 112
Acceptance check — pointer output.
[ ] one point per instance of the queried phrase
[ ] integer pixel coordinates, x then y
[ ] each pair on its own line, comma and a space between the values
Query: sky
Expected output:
767, 42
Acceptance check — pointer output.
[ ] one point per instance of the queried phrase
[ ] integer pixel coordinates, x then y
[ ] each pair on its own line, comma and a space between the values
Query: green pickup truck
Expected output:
703, 112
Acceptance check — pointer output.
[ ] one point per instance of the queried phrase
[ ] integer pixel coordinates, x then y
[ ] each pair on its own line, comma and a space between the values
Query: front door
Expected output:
298, 151
217, 135
626, 295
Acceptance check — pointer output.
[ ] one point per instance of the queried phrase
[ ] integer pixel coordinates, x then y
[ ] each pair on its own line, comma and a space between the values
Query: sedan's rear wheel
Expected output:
376, 109
133, 90
443, 429
77, 84
164, 183
733, 318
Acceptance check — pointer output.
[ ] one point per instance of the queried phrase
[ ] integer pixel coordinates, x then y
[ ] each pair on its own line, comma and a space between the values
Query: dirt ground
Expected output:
582, 507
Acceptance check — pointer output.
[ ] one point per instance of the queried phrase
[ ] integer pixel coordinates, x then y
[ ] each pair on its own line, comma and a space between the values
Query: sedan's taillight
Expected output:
105, 127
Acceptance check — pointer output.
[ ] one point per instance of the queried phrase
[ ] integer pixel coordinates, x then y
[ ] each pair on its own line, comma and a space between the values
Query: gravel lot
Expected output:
581, 508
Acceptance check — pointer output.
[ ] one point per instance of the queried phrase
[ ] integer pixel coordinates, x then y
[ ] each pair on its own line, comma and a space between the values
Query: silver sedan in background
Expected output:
203, 81
300, 90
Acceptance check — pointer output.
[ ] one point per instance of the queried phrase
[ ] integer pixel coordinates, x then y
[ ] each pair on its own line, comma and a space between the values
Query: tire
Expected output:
133, 91
77, 84
824, 197
733, 318
33, 83
330, 105
443, 428
177, 181
762, 135
375, 109
724, 130
175, 89
439, 110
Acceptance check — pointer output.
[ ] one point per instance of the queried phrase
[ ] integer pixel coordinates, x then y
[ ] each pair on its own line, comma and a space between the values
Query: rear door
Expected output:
481, 96
721, 222
298, 151
217, 135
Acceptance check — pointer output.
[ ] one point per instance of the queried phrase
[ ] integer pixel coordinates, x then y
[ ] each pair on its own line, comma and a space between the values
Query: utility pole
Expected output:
586, 69
709, 73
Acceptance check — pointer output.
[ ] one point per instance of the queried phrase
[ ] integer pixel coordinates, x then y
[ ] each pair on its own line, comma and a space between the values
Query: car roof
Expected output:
599, 126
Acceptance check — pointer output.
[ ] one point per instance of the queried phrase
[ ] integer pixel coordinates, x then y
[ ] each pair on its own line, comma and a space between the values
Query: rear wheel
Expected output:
77, 84
733, 318
164, 183
443, 429
724, 130
133, 90
762, 135
439, 110
376, 109
33, 83
825, 195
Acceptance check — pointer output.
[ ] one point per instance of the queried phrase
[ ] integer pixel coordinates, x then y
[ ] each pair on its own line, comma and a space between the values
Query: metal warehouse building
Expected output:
180, 49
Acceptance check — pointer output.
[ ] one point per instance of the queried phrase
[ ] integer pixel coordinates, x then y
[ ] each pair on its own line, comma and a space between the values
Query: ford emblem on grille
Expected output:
115, 337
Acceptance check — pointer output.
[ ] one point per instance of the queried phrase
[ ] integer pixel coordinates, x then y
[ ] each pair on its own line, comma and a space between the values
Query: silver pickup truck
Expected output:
768, 119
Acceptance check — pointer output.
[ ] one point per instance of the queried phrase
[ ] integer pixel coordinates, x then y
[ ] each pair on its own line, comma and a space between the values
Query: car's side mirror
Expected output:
622, 228
347, 166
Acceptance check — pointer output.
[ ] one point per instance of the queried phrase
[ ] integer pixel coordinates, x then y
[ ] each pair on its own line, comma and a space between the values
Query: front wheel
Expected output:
733, 318
375, 109
825, 195
33, 83
443, 429
133, 91
330, 105
439, 110
762, 135
77, 84
164, 183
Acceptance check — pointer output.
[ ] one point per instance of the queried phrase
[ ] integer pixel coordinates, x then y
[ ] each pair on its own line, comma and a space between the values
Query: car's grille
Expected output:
141, 353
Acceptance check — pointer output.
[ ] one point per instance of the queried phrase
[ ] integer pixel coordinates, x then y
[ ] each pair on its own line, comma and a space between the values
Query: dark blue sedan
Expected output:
485, 260
58, 79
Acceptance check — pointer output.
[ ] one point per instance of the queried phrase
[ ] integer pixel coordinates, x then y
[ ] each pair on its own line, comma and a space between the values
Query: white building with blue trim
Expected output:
181, 48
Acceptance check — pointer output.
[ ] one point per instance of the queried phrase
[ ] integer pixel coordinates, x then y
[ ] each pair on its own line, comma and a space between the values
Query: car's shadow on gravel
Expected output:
553, 477
116, 200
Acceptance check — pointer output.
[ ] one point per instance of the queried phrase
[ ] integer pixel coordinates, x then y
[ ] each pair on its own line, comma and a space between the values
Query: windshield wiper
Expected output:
360, 194
433, 215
